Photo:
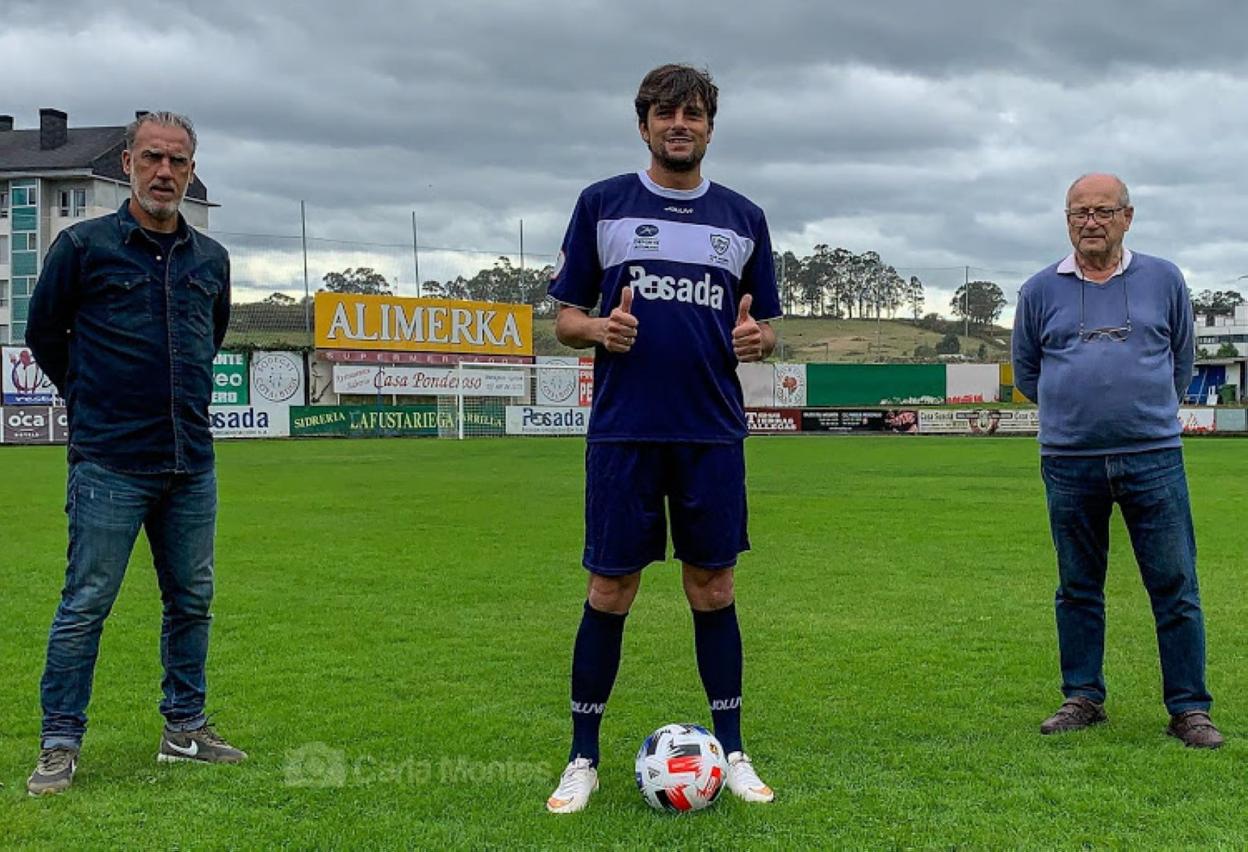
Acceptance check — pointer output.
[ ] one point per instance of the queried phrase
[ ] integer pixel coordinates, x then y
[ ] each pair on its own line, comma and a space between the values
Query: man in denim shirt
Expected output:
1104, 342
126, 318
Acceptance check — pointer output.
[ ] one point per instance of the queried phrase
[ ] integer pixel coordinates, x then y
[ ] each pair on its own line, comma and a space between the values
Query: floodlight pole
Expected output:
415, 254
307, 297
966, 300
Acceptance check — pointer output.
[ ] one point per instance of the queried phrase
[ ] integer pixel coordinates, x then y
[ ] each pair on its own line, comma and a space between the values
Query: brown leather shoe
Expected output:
1076, 713
1195, 729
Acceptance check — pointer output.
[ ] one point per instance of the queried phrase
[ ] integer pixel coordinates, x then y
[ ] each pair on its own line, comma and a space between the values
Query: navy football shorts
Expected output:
627, 486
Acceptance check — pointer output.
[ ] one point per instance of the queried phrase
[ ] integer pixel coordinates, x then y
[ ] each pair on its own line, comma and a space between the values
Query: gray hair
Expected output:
1124, 197
164, 119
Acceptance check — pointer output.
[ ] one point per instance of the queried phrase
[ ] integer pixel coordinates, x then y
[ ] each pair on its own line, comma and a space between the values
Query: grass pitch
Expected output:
394, 621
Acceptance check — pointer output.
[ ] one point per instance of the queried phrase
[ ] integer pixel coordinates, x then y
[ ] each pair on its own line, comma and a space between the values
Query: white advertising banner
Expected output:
277, 378
250, 421
546, 420
321, 380
428, 381
979, 421
564, 386
790, 385
24, 382
972, 383
758, 384
1197, 420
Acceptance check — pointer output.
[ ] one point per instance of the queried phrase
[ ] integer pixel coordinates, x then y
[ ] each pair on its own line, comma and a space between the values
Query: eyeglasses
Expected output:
1119, 334
1101, 214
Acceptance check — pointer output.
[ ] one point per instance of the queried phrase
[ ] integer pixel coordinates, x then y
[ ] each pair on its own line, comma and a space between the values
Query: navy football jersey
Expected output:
689, 255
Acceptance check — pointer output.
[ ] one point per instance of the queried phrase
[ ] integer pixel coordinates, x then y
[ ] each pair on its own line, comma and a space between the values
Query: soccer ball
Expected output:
681, 768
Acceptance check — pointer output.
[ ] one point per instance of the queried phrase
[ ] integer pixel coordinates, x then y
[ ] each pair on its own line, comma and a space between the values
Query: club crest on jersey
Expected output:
646, 237
720, 243
668, 288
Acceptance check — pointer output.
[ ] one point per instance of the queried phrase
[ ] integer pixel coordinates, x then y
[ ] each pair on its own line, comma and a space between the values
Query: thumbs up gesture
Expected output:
747, 334
621, 327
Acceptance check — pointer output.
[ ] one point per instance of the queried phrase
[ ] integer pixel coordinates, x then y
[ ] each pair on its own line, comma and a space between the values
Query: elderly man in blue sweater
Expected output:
1103, 342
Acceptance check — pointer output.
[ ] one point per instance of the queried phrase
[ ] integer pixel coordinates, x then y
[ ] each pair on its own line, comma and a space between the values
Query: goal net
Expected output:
544, 399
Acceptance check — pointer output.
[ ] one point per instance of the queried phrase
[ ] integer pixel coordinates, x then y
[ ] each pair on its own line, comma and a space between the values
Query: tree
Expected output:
982, 306
949, 345
914, 296
278, 299
788, 274
1219, 303
362, 280
1226, 350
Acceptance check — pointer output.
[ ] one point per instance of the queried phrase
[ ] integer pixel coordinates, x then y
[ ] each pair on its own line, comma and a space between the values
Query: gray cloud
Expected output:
940, 135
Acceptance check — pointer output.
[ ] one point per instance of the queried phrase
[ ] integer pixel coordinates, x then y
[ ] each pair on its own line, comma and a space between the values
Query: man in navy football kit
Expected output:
678, 267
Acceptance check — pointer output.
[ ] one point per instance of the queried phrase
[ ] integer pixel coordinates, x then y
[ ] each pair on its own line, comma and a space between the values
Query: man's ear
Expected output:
125, 162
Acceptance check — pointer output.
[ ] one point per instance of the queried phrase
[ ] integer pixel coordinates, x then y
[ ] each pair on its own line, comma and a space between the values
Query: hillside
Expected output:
801, 339
806, 339
841, 340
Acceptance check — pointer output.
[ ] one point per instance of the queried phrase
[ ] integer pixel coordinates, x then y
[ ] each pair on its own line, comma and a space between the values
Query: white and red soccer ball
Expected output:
681, 768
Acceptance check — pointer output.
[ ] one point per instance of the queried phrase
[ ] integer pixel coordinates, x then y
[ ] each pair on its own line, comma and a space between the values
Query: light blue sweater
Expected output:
1101, 396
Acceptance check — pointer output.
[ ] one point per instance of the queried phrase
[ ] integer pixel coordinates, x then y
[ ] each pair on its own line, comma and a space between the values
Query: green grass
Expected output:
411, 606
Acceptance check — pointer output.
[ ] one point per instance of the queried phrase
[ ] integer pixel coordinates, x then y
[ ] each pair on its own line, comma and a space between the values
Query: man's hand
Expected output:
621, 328
747, 335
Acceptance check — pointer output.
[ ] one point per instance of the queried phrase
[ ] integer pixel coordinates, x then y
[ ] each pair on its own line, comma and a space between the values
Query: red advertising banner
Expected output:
773, 421
357, 356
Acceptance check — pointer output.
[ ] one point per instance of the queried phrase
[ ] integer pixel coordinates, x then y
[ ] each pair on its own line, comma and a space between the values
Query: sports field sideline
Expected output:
392, 636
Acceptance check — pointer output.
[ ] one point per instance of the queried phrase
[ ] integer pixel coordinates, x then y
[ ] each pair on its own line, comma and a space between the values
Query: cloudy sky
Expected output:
941, 135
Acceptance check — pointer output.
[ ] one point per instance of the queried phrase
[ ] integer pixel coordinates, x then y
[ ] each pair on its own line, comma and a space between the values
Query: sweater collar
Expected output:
1068, 266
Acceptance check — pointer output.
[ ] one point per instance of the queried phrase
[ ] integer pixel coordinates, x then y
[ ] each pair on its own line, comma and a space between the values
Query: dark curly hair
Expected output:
677, 85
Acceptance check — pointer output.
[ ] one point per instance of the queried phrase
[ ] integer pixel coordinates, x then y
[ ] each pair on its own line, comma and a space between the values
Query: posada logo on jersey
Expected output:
669, 288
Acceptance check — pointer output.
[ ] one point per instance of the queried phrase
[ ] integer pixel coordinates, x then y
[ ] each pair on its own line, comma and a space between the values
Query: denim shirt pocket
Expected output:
128, 302
201, 299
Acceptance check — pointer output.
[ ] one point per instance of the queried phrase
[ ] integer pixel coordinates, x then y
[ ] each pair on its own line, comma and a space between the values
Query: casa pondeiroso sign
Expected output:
353, 321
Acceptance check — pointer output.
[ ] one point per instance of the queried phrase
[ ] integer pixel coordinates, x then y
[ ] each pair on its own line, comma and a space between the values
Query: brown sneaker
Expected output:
1195, 729
1075, 714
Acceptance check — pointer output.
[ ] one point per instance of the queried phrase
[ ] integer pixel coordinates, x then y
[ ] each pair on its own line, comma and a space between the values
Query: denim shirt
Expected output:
128, 336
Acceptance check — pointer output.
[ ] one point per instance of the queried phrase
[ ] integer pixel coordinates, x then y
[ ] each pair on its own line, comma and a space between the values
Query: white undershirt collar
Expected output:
1070, 267
676, 194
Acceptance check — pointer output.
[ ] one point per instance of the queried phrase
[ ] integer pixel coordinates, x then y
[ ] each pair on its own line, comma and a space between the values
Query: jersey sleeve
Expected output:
577, 278
758, 278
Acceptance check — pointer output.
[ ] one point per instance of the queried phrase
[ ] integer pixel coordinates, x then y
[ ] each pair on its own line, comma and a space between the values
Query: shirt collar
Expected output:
675, 194
1068, 266
130, 226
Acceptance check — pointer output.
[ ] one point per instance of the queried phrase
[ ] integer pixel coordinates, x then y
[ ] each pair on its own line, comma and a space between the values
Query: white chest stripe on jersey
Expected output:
624, 240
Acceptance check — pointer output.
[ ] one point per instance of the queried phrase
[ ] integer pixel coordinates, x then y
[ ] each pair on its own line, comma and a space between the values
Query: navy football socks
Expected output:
717, 638
595, 662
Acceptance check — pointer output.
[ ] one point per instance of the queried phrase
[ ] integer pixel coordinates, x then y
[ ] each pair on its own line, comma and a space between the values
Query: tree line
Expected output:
830, 282
838, 284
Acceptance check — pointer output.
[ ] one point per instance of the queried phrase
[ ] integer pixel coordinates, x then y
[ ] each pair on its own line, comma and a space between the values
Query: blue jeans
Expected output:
105, 512
1150, 489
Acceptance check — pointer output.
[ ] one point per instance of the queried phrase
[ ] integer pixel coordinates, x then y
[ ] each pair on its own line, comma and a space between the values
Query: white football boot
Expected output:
576, 784
744, 782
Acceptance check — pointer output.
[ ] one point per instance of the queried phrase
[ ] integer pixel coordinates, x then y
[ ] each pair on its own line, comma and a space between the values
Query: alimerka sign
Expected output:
353, 321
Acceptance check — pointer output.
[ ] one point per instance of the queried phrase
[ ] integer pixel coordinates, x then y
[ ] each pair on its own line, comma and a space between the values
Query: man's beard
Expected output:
161, 210
686, 164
